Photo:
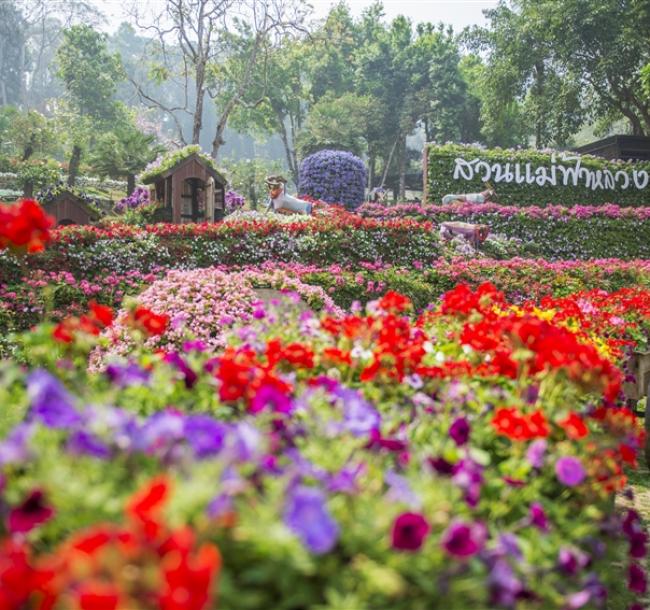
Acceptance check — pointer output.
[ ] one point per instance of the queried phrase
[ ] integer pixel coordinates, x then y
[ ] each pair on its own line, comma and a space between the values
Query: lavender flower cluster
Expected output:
334, 176
137, 199
234, 202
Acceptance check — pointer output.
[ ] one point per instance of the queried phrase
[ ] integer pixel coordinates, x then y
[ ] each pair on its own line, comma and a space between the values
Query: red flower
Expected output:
508, 421
101, 313
98, 596
24, 226
574, 426
146, 505
394, 302
152, 323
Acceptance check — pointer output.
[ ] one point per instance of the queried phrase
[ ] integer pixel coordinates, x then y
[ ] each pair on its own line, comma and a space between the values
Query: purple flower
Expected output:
306, 514
459, 431
15, 447
195, 346
50, 401
86, 443
569, 471
468, 475
359, 416
400, 489
346, 480
538, 516
176, 360
126, 375
442, 466
504, 586
161, 432
220, 505
205, 435
464, 539
536, 452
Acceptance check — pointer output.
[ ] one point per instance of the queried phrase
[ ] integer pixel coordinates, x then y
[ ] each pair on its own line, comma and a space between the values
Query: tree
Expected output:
90, 75
12, 53
123, 152
340, 123
200, 37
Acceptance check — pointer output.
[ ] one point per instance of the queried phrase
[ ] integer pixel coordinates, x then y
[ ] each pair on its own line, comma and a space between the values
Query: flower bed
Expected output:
554, 232
24, 303
467, 457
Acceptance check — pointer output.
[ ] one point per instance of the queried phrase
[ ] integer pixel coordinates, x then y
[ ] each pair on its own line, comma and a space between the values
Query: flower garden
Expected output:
334, 412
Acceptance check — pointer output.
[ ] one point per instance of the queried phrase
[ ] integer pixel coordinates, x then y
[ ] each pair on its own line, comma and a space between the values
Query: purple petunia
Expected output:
538, 517
204, 434
570, 471
307, 515
126, 375
536, 453
359, 416
50, 401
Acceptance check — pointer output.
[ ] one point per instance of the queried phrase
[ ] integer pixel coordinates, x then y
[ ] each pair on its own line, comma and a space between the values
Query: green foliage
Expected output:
89, 72
124, 151
341, 123
440, 182
165, 163
38, 173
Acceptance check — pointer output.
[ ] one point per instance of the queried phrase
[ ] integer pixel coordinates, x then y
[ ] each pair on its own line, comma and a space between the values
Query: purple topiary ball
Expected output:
334, 176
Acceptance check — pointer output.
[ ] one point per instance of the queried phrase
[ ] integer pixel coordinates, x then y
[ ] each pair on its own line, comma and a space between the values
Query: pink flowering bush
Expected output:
204, 304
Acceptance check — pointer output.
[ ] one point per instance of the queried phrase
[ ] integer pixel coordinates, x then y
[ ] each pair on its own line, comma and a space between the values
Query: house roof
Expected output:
219, 178
73, 198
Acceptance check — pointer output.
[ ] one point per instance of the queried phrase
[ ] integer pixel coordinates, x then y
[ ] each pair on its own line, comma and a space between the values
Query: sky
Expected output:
457, 13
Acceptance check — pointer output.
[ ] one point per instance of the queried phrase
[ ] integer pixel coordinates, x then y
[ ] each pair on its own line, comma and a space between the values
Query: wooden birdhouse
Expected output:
190, 190
67, 208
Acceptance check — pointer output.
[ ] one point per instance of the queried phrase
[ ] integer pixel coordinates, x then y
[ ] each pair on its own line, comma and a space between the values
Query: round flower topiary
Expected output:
334, 176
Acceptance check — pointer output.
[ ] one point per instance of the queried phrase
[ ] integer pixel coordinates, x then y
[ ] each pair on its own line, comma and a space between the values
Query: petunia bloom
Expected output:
409, 532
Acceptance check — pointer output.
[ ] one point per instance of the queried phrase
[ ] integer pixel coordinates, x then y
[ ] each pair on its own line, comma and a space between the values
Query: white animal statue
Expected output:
279, 201
481, 197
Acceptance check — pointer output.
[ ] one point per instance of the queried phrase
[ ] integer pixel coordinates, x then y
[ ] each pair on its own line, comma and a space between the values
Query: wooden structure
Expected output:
628, 148
70, 209
190, 191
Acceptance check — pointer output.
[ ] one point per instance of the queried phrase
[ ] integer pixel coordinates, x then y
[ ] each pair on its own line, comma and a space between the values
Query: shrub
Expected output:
334, 176
535, 168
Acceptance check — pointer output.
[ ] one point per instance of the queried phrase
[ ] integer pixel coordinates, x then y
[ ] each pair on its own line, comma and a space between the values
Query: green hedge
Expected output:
441, 167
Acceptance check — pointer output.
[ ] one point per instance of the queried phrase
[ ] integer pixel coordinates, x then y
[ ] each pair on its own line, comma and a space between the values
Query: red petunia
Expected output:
24, 227
152, 323
574, 426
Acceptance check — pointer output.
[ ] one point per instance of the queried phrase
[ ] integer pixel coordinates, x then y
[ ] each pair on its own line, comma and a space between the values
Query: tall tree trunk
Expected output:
197, 123
130, 184
28, 189
73, 168
402, 169
371, 171
28, 151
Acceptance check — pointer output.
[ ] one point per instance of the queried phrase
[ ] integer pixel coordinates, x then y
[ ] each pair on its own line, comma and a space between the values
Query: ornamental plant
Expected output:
234, 202
24, 227
373, 459
334, 176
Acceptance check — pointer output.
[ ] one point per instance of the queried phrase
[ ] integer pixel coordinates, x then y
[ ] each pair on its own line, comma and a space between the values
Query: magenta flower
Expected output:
570, 471
464, 539
538, 516
459, 431
32, 512
409, 532
636, 579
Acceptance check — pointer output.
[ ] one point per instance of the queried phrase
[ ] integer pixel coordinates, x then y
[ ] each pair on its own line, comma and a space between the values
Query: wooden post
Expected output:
647, 427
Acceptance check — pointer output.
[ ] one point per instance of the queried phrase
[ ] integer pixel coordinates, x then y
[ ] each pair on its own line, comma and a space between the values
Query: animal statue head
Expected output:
275, 185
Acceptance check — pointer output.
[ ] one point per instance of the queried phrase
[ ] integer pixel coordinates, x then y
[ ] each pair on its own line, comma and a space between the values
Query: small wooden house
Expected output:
70, 209
189, 191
